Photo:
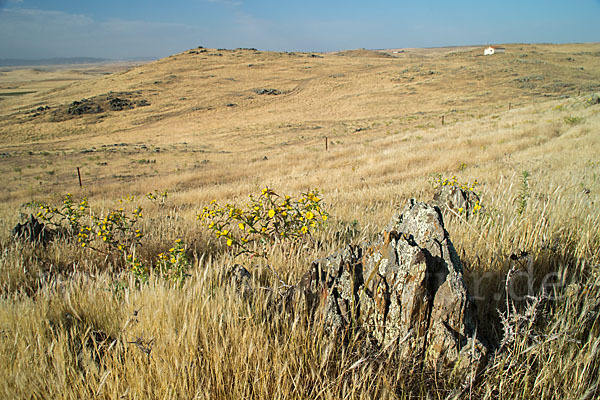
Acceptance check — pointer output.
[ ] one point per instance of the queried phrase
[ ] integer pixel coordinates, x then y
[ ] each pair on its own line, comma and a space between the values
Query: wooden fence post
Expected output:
79, 176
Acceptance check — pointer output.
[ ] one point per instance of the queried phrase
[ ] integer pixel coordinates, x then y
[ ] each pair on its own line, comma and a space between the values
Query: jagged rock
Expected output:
117, 104
406, 289
33, 231
84, 107
456, 199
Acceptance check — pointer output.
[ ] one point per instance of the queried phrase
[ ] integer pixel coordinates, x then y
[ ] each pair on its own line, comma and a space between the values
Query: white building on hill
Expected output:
493, 50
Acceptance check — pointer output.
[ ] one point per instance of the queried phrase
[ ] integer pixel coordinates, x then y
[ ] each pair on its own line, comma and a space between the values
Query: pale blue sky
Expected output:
122, 29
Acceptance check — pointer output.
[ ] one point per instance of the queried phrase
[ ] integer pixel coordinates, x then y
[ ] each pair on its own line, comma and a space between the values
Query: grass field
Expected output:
74, 323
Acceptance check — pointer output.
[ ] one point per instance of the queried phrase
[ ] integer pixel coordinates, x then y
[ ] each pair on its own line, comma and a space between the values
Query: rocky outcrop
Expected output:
271, 92
32, 231
406, 289
84, 106
118, 104
101, 104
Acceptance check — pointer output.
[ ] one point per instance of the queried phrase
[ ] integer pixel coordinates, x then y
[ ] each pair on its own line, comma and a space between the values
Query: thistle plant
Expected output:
269, 218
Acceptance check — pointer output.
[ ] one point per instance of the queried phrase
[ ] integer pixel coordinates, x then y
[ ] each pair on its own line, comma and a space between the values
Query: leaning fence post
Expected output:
79, 176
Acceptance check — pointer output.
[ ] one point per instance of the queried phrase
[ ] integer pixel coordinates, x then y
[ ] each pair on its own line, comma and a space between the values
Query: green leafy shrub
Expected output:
157, 196
117, 230
117, 233
70, 213
268, 218
174, 264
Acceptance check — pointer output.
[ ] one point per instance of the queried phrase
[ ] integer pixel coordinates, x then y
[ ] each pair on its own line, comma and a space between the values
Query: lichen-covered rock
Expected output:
457, 199
406, 289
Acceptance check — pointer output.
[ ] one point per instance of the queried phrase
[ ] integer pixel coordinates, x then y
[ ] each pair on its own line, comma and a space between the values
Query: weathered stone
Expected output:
272, 92
84, 107
456, 199
117, 104
406, 289
32, 231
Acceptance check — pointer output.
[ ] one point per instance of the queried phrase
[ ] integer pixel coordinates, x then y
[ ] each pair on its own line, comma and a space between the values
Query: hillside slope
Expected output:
85, 319
210, 102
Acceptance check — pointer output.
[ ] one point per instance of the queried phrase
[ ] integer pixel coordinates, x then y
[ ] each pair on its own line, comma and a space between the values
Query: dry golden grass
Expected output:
382, 118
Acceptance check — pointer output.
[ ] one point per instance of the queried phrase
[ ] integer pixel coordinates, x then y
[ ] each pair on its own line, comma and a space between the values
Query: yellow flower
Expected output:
310, 215
304, 229
324, 217
460, 209
271, 213
241, 225
229, 242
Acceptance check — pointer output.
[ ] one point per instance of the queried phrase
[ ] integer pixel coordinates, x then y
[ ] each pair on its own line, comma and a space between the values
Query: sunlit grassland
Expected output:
202, 340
